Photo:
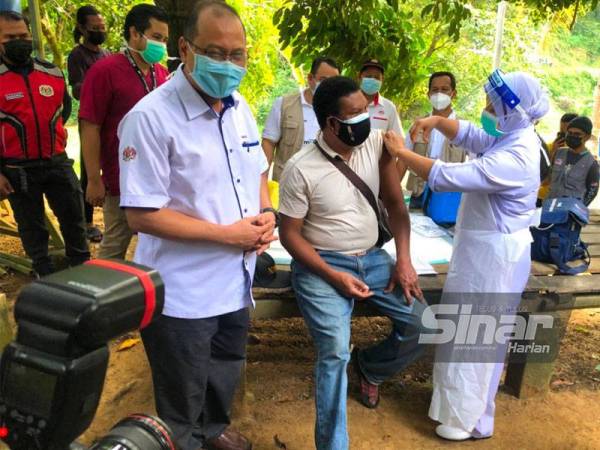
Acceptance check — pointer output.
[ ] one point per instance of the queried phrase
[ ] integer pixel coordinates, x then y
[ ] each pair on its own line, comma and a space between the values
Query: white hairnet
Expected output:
534, 101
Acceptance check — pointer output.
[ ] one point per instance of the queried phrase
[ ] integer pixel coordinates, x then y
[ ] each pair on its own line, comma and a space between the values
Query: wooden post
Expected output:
530, 378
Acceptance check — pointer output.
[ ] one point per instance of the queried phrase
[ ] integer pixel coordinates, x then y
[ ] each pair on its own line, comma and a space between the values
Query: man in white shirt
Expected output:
441, 93
330, 229
292, 122
194, 185
382, 111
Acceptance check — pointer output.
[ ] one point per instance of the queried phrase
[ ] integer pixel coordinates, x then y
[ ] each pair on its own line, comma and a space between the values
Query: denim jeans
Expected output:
327, 314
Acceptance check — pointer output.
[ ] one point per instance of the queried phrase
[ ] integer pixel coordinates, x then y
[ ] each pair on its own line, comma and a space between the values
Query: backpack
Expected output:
556, 240
442, 207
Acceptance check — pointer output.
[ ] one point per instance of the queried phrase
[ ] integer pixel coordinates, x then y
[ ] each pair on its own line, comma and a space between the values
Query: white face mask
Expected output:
440, 101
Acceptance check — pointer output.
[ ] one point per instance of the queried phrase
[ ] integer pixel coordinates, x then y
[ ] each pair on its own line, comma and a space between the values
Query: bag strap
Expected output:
354, 179
562, 265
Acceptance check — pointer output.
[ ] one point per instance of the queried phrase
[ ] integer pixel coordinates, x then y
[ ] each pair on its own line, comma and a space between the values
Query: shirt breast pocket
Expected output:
289, 131
250, 146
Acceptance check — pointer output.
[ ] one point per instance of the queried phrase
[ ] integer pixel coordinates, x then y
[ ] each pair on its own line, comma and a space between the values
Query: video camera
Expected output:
51, 376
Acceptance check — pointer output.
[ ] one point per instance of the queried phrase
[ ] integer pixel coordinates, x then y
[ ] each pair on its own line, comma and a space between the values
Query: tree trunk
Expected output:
57, 56
178, 11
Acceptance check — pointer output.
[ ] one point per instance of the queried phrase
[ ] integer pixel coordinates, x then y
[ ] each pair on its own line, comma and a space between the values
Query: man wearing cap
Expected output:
575, 172
441, 93
382, 111
292, 122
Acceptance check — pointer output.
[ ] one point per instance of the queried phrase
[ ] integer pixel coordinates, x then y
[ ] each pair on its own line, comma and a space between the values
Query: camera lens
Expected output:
137, 432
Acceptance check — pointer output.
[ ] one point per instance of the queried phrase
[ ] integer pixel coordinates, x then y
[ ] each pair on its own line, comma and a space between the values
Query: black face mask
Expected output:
356, 132
573, 141
96, 37
18, 51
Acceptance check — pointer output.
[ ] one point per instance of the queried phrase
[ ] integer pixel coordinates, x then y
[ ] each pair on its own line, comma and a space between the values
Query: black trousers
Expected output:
88, 209
196, 366
57, 180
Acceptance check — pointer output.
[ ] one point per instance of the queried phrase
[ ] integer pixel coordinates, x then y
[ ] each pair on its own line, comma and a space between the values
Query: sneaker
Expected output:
452, 433
369, 392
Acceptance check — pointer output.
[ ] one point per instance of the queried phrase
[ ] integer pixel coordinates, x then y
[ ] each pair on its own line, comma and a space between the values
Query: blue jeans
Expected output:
327, 314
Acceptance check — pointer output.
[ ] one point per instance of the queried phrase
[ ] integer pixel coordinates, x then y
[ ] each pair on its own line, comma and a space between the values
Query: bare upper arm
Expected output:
290, 224
390, 189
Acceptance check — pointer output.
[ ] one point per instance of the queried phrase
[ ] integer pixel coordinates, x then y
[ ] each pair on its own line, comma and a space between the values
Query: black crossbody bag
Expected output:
383, 225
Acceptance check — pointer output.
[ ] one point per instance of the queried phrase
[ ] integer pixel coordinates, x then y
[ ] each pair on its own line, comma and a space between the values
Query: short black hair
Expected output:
139, 17
13, 16
581, 123
326, 102
566, 118
443, 74
314, 67
82, 14
190, 28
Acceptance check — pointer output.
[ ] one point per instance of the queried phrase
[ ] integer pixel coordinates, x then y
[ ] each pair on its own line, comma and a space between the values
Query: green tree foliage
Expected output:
403, 35
59, 19
265, 60
416, 37
412, 37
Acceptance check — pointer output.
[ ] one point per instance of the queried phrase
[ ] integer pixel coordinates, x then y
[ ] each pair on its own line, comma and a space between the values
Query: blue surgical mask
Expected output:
370, 86
217, 78
489, 122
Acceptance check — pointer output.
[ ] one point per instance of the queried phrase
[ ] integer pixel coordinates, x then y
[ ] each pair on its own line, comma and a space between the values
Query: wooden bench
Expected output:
546, 291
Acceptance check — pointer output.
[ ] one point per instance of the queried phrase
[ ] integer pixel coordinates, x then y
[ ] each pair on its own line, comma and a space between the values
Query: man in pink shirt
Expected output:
111, 88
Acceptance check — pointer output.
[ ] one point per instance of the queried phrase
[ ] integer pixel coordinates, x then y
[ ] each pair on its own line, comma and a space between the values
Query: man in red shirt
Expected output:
111, 88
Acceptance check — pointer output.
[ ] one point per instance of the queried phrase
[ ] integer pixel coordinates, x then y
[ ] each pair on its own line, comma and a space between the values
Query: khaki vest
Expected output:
450, 153
292, 132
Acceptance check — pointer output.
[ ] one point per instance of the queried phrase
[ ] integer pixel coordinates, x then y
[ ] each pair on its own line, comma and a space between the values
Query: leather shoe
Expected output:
229, 439
369, 392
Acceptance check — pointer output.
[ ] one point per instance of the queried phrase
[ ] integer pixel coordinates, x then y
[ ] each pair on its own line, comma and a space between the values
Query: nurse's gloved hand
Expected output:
405, 275
394, 144
421, 129
350, 286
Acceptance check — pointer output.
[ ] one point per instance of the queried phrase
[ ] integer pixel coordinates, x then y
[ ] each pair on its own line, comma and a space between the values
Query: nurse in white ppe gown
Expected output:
492, 240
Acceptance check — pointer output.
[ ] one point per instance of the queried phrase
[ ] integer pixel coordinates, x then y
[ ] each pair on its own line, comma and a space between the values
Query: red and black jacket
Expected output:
31, 108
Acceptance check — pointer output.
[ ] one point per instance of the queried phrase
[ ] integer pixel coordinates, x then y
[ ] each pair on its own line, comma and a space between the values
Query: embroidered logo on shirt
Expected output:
558, 161
46, 91
129, 154
14, 96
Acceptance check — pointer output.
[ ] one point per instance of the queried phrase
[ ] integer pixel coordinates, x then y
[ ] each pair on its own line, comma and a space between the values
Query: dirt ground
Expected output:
278, 409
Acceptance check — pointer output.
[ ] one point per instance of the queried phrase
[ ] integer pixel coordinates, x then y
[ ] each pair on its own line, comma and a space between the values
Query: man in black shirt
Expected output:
91, 27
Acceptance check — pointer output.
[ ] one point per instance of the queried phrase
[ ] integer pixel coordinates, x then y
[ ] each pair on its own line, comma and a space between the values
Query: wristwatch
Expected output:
275, 213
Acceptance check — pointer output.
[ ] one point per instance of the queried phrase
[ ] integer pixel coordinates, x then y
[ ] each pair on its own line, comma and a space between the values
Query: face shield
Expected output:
505, 104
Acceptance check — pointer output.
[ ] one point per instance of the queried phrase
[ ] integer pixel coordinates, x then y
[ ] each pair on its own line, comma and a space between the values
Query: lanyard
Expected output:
140, 74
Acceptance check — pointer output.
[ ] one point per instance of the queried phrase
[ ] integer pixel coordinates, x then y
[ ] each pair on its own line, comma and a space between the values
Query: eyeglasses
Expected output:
237, 56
